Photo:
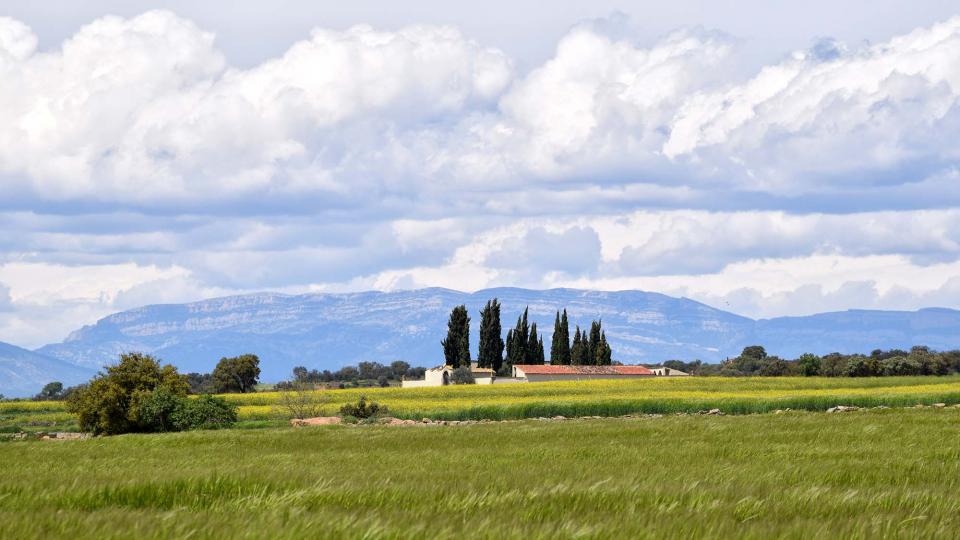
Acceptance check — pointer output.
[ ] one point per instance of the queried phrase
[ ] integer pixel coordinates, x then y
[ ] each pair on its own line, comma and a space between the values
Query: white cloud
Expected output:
139, 166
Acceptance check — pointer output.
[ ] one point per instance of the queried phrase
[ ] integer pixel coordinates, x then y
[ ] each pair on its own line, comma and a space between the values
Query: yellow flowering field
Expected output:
586, 398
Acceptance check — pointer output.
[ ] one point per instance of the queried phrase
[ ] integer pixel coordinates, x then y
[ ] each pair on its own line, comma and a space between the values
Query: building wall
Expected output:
415, 384
546, 378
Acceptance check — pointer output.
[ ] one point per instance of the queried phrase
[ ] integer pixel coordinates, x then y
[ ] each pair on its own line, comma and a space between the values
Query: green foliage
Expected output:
517, 341
456, 347
491, 344
560, 345
809, 365
533, 353
863, 366
110, 403
203, 412
580, 351
50, 391
362, 409
238, 374
200, 383
153, 409
462, 375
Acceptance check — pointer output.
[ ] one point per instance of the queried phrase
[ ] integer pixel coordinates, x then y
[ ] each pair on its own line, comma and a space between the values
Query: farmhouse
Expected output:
539, 373
662, 371
441, 376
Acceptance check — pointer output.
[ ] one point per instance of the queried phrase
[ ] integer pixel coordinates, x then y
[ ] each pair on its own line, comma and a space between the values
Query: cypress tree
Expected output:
604, 351
578, 351
490, 354
456, 347
521, 335
508, 362
593, 353
534, 353
565, 339
555, 343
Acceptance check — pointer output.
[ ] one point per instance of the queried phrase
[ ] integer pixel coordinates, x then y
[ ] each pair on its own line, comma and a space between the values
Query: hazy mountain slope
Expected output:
329, 330
23, 373
860, 331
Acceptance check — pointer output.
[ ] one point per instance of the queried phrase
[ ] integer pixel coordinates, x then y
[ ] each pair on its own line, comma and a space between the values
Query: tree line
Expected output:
354, 375
754, 360
524, 343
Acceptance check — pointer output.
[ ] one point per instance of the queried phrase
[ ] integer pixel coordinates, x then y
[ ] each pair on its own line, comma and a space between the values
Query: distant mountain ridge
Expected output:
326, 331
23, 373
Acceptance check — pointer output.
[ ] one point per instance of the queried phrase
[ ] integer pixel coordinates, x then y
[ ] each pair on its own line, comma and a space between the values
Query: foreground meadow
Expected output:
584, 398
864, 474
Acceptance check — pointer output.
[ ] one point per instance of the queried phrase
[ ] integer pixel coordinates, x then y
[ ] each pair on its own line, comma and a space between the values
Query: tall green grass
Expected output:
868, 474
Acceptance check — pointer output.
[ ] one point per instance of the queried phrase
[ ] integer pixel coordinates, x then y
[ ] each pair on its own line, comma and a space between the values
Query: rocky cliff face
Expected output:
326, 331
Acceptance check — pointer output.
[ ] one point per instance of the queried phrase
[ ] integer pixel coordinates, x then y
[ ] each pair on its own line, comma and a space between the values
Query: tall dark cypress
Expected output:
521, 334
565, 339
510, 345
490, 354
593, 347
578, 352
533, 354
604, 351
456, 347
555, 343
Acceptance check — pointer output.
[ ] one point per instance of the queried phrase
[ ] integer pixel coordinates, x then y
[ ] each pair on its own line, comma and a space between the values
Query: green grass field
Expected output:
865, 474
586, 398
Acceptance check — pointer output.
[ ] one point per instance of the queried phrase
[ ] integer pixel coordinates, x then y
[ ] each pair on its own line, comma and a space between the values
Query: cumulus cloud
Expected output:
139, 166
833, 116
6, 303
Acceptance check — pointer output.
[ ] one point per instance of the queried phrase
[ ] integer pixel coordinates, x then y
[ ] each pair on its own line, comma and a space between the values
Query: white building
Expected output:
441, 376
661, 371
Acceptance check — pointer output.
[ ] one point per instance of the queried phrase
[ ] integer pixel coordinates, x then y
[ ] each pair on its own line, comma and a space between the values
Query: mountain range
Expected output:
23, 373
326, 331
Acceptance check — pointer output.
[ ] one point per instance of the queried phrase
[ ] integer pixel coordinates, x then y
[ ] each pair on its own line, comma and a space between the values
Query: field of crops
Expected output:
586, 398
865, 474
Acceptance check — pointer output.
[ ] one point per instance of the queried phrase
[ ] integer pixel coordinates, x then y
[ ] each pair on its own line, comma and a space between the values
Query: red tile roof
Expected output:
582, 370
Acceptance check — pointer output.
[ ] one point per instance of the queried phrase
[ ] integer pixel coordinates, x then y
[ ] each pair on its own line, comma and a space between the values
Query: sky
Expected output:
767, 158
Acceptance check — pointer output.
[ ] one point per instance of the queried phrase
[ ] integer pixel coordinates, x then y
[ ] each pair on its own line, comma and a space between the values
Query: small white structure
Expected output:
540, 373
442, 375
661, 371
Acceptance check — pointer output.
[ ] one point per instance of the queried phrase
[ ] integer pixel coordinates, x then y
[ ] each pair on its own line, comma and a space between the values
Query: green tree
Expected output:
456, 347
534, 350
462, 375
593, 344
237, 374
580, 351
51, 391
809, 365
113, 402
604, 353
560, 345
517, 341
490, 354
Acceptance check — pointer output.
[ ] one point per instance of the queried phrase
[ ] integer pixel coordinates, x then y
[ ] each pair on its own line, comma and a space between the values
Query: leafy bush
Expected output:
112, 402
204, 412
362, 409
154, 409
462, 375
